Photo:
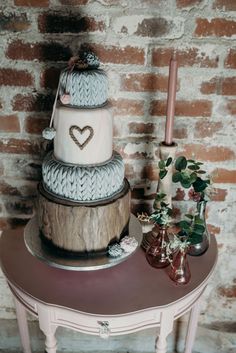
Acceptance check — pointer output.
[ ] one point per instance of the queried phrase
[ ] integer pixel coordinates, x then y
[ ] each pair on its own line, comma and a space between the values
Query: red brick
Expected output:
19, 207
212, 86
207, 128
224, 176
19, 50
154, 27
204, 153
187, 3
217, 27
31, 103
183, 108
128, 107
119, 55
35, 125
12, 77
225, 5
180, 133
229, 292
229, 86
141, 128
32, 3
129, 171
230, 61
9, 123
74, 2
19, 146
49, 78
150, 172
219, 194
213, 229
144, 83
231, 106
14, 22
11, 223
58, 23
7, 189
188, 57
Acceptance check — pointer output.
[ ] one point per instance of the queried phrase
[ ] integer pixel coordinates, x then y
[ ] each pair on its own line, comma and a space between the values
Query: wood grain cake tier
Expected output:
83, 228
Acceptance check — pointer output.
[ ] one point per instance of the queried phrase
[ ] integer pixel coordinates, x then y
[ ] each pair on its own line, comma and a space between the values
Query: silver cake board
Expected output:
38, 249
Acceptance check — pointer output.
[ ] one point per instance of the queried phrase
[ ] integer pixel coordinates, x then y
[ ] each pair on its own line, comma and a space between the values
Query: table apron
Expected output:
94, 324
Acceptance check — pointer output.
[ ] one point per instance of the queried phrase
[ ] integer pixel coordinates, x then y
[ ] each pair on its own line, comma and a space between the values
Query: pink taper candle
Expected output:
171, 101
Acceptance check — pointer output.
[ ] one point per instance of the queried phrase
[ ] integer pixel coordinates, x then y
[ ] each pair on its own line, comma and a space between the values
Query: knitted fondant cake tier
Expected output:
83, 136
79, 229
84, 88
83, 183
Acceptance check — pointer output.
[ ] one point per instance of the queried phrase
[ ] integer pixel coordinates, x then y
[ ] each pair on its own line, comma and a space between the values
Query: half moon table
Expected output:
128, 297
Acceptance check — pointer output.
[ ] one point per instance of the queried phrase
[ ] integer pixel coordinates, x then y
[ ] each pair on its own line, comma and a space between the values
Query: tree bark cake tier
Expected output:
83, 228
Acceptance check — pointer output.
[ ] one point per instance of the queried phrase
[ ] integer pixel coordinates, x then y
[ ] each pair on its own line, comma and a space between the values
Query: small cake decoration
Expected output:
65, 99
128, 244
84, 60
49, 133
115, 250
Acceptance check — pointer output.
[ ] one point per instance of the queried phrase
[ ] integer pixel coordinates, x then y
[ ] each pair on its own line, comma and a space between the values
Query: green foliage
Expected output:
192, 229
188, 173
162, 213
163, 164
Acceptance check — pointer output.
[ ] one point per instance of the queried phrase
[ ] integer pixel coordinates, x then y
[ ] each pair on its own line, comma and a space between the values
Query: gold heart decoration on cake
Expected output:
81, 131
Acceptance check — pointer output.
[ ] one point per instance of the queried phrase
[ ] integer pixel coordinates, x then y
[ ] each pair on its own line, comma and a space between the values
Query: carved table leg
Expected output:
48, 329
166, 326
23, 326
192, 327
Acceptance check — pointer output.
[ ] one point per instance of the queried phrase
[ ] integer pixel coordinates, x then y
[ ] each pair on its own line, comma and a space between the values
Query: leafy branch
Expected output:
163, 165
188, 173
162, 213
192, 229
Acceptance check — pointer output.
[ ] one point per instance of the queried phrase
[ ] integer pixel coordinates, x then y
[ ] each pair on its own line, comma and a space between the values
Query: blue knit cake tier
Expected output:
85, 88
83, 183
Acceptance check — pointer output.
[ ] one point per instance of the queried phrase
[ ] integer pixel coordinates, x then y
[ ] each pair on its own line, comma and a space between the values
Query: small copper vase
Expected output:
179, 270
157, 252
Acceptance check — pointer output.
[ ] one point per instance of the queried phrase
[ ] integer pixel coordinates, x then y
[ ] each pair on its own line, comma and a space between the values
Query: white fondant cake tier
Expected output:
85, 88
83, 183
83, 136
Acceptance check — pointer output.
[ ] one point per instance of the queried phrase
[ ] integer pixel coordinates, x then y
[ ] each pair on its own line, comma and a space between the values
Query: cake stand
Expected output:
37, 248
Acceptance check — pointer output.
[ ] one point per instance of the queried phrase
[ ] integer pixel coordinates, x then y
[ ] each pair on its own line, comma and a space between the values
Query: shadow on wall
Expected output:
62, 33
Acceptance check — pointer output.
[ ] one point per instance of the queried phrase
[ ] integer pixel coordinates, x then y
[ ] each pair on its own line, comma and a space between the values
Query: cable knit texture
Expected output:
79, 183
86, 88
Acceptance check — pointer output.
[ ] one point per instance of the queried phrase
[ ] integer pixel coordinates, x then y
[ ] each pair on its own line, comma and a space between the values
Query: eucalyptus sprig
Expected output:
188, 173
192, 228
162, 213
163, 165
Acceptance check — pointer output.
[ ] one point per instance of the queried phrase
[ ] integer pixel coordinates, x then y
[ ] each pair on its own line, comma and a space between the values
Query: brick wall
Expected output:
134, 40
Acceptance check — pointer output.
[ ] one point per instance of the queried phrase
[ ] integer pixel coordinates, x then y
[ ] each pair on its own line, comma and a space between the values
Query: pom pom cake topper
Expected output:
86, 59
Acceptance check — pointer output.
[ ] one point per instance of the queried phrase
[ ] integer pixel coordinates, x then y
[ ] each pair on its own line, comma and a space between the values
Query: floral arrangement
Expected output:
190, 175
162, 214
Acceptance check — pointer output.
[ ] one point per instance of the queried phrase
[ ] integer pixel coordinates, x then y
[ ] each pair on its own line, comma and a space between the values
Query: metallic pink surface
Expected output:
171, 101
107, 292
119, 300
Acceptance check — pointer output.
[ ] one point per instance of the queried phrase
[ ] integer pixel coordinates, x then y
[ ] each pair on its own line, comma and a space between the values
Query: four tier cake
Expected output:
84, 198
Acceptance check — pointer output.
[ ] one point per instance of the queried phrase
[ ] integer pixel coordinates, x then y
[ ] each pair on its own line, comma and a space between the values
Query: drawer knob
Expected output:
104, 331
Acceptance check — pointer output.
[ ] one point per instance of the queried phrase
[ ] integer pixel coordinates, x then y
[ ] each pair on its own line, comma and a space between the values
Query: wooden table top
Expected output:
130, 286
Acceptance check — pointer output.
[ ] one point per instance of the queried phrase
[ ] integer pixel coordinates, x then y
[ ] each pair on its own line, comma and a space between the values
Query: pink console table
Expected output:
128, 297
